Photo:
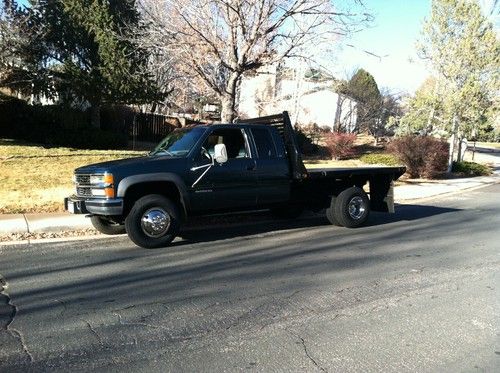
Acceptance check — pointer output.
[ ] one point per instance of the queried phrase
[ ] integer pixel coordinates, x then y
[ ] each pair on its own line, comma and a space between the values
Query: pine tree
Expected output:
364, 89
81, 50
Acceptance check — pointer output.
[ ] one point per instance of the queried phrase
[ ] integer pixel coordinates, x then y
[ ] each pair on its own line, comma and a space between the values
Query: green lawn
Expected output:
36, 179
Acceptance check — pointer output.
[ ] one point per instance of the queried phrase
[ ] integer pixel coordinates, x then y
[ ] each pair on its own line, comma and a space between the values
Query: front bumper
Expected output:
108, 207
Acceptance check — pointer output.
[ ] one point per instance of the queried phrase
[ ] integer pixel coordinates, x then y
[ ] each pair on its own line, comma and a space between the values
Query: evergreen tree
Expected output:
81, 50
363, 88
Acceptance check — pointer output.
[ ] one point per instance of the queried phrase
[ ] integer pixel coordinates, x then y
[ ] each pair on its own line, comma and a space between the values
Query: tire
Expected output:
351, 208
291, 212
153, 222
106, 226
330, 212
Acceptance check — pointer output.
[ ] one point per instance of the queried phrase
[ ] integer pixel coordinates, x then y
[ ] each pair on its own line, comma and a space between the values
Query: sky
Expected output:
392, 37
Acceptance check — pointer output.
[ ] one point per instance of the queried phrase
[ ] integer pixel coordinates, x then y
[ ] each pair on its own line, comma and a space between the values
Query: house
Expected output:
308, 95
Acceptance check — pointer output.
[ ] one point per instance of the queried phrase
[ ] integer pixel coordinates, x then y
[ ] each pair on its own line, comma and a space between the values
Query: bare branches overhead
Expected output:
220, 40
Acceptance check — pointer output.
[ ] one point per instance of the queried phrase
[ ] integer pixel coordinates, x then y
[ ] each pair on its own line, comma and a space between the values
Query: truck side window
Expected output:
232, 138
264, 143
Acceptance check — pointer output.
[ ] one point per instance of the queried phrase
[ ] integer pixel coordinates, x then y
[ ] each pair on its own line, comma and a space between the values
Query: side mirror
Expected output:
220, 153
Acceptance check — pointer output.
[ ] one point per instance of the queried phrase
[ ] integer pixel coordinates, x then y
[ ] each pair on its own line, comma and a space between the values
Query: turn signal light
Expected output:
110, 192
108, 179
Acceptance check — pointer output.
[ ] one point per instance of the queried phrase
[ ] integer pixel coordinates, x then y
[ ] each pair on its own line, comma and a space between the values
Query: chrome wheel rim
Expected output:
155, 222
356, 207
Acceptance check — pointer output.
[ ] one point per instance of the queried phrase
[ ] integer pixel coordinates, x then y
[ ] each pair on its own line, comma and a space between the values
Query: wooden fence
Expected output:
149, 127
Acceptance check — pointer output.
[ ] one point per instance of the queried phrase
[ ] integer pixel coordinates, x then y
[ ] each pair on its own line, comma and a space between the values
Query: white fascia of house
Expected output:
327, 108
307, 101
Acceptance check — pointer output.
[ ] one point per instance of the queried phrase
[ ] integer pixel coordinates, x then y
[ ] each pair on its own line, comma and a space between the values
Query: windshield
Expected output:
179, 143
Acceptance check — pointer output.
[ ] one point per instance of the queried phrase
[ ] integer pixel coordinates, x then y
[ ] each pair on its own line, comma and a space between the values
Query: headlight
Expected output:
104, 192
102, 185
98, 192
104, 180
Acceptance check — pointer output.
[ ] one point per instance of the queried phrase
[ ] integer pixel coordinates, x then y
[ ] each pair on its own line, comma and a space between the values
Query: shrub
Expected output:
340, 145
424, 156
471, 168
380, 158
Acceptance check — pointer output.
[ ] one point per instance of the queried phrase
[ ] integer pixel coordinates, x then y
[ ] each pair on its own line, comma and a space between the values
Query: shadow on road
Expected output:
261, 222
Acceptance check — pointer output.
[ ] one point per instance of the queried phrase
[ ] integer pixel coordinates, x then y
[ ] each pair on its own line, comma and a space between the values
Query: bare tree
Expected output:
219, 40
161, 68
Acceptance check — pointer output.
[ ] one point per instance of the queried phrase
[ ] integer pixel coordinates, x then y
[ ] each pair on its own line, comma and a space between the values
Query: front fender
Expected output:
175, 179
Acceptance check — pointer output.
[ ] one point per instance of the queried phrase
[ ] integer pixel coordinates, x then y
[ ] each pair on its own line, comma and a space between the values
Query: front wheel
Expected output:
106, 226
351, 208
153, 221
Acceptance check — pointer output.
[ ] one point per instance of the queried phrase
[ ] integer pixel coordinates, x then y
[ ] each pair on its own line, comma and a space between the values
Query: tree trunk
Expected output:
459, 152
228, 112
95, 116
453, 141
429, 128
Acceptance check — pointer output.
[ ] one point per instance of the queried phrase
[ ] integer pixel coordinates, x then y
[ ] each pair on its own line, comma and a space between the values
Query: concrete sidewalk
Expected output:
42, 223
404, 193
422, 189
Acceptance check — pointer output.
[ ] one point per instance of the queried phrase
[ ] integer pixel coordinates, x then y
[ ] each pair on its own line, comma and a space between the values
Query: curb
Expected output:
16, 223
41, 223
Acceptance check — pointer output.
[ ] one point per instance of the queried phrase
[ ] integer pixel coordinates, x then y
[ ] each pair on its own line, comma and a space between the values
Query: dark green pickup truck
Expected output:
207, 169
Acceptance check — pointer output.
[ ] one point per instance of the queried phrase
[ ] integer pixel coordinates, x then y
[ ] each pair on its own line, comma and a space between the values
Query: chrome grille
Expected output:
82, 179
83, 192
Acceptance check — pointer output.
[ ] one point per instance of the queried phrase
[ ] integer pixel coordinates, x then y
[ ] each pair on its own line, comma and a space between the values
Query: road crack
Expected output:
306, 351
134, 323
16, 334
304, 346
93, 331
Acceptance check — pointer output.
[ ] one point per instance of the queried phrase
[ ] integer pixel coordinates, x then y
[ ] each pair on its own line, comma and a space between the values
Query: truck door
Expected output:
229, 185
273, 174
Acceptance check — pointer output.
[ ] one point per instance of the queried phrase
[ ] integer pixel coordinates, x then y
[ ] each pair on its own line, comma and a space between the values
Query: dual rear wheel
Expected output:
349, 209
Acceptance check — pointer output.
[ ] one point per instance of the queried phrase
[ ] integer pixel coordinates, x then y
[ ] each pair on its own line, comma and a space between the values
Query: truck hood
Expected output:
133, 166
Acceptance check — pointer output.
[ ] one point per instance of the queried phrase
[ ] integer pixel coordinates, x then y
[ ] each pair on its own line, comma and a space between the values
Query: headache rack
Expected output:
284, 127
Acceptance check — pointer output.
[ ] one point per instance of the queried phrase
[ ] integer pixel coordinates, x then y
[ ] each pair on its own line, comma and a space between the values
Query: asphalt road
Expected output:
413, 291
